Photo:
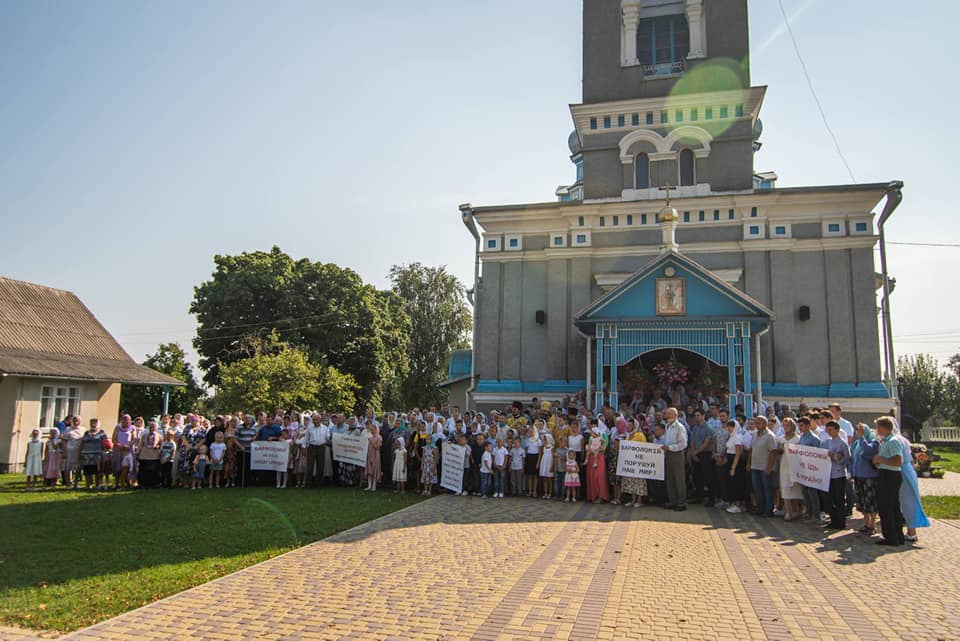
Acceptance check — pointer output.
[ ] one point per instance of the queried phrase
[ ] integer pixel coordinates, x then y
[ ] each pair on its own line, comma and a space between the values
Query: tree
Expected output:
279, 375
440, 323
323, 309
922, 385
147, 400
951, 395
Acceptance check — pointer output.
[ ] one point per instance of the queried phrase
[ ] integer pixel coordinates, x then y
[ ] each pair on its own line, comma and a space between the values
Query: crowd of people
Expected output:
544, 450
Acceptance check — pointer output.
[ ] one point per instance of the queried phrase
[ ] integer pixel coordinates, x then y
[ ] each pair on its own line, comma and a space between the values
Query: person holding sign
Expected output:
675, 444
889, 460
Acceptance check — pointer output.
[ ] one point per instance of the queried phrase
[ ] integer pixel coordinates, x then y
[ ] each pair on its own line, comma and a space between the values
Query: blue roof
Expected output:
460, 364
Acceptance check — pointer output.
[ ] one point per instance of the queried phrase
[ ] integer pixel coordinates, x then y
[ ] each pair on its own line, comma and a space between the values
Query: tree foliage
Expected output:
440, 322
277, 375
323, 309
147, 400
921, 385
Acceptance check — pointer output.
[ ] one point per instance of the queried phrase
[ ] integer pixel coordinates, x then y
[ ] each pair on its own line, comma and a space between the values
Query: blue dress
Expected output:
910, 505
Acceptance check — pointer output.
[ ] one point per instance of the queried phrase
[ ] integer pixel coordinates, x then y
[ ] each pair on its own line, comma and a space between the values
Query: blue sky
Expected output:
139, 139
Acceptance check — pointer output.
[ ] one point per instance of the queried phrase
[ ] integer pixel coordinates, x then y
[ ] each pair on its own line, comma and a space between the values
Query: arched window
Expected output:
641, 172
686, 168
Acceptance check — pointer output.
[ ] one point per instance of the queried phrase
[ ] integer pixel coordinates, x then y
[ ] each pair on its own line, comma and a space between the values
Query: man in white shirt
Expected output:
317, 437
674, 448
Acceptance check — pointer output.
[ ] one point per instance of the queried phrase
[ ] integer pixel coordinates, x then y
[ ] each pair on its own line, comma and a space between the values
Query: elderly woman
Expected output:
150, 442
865, 474
790, 491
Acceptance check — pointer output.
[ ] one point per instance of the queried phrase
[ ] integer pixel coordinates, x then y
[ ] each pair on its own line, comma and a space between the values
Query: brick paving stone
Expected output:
547, 570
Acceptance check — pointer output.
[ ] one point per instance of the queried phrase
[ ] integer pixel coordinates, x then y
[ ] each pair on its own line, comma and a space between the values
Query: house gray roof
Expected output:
50, 333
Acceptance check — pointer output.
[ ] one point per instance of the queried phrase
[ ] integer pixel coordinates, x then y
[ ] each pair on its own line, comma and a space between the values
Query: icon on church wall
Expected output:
671, 297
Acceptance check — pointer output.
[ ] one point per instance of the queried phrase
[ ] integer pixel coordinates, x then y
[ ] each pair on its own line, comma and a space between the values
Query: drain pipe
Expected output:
894, 198
473, 295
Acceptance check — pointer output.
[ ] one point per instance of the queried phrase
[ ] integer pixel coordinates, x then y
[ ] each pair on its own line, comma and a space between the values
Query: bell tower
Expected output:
666, 98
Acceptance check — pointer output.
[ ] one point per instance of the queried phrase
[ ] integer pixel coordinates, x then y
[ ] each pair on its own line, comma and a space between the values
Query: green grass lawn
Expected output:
70, 559
942, 507
949, 457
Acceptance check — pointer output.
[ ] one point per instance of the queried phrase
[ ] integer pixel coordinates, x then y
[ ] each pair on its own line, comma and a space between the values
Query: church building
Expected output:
671, 251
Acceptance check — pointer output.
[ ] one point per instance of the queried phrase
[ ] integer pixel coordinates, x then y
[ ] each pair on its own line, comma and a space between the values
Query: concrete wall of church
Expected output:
838, 344
604, 79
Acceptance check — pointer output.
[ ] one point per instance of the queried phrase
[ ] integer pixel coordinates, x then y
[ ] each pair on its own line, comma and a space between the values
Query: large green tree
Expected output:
147, 400
277, 375
922, 385
951, 395
321, 308
440, 323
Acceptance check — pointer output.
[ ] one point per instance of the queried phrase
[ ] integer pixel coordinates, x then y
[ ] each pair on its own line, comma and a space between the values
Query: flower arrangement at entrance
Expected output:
671, 373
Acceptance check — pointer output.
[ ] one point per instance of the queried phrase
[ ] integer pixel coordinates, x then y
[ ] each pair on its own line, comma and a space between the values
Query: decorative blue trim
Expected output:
836, 390
491, 386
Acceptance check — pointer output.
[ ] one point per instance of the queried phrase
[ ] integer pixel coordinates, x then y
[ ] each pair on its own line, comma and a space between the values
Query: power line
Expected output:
816, 99
926, 244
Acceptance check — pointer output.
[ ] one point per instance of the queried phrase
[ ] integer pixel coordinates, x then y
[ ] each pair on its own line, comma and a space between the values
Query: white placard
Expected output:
810, 466
270, 455
641, 460
451, 473
351, 447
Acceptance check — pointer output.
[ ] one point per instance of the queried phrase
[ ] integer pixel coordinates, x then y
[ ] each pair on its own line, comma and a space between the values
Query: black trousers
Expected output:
888, 506
704, 475
166, 474
838, 502
316, 460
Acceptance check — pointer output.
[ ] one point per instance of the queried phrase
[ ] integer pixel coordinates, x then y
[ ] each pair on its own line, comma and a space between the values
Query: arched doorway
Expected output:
674, 375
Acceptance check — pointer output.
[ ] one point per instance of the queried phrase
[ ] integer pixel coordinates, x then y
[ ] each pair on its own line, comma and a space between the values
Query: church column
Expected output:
698, 44
614, 395
747, 383
731, 369
598, 402
628, 39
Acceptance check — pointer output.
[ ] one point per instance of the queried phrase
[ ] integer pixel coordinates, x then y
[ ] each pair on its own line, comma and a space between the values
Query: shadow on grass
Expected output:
54, 537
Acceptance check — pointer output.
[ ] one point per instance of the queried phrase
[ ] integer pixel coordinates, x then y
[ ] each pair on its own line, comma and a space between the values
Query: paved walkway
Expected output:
949, 485
467, 568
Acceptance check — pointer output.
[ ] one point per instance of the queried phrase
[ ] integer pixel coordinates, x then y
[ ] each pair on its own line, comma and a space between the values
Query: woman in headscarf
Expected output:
372, 471
790, 491
596, 468
636, 488
865, 474
910, 506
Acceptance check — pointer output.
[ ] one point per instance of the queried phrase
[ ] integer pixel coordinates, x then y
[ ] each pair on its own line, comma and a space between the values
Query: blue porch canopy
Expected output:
673, 302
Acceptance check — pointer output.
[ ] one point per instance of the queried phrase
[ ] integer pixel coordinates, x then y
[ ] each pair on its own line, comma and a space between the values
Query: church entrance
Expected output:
672, 375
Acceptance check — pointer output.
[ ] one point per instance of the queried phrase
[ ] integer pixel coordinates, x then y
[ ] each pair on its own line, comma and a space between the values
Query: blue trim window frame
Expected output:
629, 219
635, 120
649, 117
606, 122
621, 121
724, 113
593, 123
663, 41
641, 171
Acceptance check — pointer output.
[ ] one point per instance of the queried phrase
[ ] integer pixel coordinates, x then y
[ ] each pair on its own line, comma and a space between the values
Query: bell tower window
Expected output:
663, 43
641, 172
687, 176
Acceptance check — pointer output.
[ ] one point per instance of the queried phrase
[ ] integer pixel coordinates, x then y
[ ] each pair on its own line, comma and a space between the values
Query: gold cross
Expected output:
667, 187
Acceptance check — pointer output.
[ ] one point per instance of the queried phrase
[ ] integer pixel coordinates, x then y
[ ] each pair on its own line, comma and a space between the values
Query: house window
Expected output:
708, 113
643, 219
663, 43
686, 168
558, 241
834, 228
686, 216
730, 214
491, 244
716, 214
593, 123
603, 221
580, 221
629, 219
635, 120
754, 230
861, 227
616, 221
664, 117
679, 117
581, 239
641, 172
739, 111
780, 230
723, 112
606, 122
56, 403
701, 216
694, 114
514, 242
649, 117
753, 212
621, 122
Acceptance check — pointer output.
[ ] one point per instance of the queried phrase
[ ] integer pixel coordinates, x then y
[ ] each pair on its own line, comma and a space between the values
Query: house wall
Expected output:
20, 401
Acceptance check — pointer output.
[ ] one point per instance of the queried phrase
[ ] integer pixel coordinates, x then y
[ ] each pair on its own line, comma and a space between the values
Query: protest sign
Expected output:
451, 473
351, 447
810, 466
641, 460
269, 455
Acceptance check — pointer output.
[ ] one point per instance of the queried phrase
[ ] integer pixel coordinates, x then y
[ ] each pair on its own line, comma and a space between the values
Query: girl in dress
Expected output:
33, 463
218, 451
545, 467
596, 469
282, 476
372, 469
200, 466
231, 457
53, 457
571, 478
428, 468
636, 488
532, 445
399, 465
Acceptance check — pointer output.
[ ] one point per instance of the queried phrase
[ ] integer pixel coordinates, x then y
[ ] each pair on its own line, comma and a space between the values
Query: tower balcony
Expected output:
660, 69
